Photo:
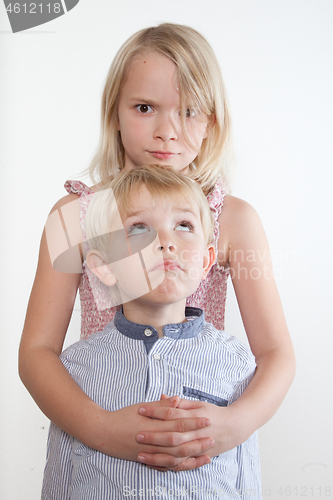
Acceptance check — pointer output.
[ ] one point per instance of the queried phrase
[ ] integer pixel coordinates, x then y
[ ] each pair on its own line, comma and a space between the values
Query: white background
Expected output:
276, 58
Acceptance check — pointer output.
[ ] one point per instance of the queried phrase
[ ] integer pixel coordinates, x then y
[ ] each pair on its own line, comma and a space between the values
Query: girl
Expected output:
164, 103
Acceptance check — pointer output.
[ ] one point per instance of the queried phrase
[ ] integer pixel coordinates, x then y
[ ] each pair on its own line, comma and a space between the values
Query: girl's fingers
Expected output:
187, 404
172, 457
163, 410
192, 463
176, 448
164, 396
188, 463
170, 401
177, 402
176, 433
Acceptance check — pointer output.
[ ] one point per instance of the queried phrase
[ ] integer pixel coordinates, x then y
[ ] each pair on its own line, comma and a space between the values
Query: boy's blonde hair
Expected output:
200, 86
163, 183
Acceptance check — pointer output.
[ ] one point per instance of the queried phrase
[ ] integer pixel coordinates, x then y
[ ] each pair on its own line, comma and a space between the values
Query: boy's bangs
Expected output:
163, 184
173, 196
159, 192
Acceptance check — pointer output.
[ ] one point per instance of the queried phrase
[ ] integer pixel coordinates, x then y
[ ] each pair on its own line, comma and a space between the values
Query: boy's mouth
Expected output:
167, 265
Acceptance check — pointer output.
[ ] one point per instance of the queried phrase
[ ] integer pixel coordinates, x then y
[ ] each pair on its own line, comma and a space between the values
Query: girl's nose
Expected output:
165, 128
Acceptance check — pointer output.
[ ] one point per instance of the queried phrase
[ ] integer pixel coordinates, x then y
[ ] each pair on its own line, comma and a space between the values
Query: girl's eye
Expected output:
137, 229
190, 113
184, 226
144, 108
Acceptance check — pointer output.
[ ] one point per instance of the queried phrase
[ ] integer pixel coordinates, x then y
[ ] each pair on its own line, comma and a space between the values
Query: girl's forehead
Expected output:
151, 68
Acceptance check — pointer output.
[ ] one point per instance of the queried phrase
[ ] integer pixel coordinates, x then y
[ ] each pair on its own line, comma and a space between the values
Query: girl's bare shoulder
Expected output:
72, 197
236, 215
236, 209
240, 224
68, 198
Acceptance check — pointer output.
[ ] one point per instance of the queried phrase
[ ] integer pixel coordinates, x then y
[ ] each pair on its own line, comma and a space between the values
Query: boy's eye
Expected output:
137, 229
144, 108
184, 226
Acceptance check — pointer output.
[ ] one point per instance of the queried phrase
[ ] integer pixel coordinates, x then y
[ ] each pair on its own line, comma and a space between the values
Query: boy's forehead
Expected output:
143, 200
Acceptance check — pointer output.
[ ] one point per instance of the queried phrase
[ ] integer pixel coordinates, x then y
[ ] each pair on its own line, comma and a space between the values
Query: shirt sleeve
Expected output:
58, 470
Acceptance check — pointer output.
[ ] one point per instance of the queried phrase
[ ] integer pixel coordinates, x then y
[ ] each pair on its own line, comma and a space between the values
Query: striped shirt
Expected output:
126, 364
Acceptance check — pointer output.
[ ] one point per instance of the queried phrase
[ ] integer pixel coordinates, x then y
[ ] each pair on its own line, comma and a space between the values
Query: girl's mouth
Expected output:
162, 155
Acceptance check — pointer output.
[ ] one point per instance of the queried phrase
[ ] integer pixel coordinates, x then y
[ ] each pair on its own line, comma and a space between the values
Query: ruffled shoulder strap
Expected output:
216, 197
77, 187
215, 200
85, 193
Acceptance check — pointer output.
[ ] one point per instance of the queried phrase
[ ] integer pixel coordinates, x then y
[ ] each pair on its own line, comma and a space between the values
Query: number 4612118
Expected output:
33, 8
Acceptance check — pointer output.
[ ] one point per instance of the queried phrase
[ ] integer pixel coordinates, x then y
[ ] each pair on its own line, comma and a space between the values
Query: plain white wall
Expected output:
276, 58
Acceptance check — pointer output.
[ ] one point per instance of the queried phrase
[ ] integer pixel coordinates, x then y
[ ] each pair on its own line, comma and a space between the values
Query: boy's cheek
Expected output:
131, 276
194, 256
156, 277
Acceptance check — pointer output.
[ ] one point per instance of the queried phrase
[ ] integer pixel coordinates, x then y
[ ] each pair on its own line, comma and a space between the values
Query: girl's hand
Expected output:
181, 437
225, 429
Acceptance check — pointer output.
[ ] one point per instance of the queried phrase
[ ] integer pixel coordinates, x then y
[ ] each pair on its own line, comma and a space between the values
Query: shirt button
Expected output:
156, 356
148, 332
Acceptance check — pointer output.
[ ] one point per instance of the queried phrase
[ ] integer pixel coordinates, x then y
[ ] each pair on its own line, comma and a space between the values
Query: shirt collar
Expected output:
149, 335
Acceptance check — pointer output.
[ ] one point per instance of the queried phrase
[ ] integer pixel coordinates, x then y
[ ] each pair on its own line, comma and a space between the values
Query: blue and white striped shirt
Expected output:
126, 364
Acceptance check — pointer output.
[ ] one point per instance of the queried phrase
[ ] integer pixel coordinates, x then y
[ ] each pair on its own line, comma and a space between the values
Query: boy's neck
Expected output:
156, 315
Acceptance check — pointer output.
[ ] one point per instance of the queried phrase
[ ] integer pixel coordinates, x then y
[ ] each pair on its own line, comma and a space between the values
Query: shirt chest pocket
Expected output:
204, 396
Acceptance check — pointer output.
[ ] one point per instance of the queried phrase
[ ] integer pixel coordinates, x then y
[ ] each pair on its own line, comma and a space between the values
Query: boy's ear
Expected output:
208, 260
100, 268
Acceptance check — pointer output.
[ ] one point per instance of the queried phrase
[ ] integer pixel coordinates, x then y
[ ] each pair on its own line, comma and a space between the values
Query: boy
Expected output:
151, 237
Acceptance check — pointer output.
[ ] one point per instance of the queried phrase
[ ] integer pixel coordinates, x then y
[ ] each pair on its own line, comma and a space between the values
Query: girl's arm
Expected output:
59, 397
262, 314
243, 246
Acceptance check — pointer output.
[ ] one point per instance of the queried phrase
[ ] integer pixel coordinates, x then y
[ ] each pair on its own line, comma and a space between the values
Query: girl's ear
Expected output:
210, 124
100, 268
208, 260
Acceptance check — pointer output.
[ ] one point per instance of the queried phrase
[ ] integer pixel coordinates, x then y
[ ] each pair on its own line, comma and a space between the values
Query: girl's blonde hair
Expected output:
163, 183
200, 85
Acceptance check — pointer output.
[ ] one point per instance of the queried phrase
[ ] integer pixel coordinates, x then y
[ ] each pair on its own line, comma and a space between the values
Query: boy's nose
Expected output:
165, 128
166, 242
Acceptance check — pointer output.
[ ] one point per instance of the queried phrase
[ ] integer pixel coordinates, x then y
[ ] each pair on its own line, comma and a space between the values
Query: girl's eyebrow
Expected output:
140, 99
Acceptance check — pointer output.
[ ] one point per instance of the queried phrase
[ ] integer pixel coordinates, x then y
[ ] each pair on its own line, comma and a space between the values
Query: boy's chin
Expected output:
168, 292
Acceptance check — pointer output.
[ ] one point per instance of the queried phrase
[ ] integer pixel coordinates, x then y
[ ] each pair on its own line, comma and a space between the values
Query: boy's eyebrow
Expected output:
178, 209
133, 214
187, 209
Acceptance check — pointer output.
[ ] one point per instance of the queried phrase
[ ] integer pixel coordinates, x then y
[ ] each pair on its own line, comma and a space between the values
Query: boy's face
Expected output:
177, 259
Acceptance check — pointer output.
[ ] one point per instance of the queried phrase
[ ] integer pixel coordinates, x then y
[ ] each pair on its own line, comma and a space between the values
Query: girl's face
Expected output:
149, 118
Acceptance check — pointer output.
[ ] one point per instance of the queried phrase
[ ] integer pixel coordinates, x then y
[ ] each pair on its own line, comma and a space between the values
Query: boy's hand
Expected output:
224, 429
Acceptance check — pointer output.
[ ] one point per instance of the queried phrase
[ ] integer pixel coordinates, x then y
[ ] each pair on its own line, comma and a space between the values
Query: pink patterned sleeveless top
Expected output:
96, 308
